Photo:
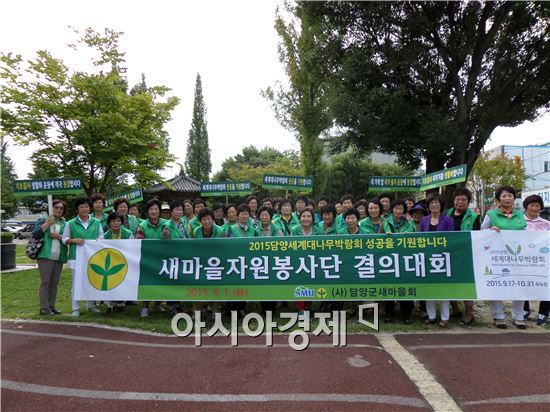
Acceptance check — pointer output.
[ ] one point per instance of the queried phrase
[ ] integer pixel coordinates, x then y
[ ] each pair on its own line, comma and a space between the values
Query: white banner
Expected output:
511, 265
107, 270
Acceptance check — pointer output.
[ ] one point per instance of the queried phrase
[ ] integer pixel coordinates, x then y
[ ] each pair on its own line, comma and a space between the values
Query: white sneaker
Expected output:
144, 313
93, 309
75, 314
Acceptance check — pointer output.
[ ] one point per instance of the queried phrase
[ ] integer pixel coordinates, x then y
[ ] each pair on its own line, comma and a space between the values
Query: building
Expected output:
535, 161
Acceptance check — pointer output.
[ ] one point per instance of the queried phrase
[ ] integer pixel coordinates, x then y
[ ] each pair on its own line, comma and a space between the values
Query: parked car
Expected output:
12, 228
545, 213
26, 232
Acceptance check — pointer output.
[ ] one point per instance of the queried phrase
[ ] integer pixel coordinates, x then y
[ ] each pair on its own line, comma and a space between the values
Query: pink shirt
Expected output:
537, 224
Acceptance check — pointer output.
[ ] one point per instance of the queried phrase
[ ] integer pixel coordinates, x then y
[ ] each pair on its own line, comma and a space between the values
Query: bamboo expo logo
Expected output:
107, 269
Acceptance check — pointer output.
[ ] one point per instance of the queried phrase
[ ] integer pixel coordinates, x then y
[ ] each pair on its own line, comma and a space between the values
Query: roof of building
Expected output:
179, 183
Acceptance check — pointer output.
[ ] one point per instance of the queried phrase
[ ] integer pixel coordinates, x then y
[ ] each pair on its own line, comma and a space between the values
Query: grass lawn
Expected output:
20, 301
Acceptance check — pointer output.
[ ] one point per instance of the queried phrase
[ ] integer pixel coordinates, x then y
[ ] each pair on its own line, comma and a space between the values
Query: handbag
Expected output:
33, 247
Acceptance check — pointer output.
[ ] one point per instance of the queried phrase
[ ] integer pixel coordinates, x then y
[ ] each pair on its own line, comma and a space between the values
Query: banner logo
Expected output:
107, 269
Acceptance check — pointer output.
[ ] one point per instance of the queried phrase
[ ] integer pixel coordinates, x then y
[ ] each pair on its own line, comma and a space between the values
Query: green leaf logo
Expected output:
510, 250
101, 274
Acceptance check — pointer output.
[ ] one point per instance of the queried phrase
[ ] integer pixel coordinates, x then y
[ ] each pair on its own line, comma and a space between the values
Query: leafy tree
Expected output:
7, 173
87, 124
490, 173
197, 160
252, 164
430, 80
301, 106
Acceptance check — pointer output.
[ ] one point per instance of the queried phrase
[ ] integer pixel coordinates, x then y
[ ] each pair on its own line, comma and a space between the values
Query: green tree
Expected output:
252, 164
430, 80
7, 173
490, 173
301, 107
197, 160
87, 124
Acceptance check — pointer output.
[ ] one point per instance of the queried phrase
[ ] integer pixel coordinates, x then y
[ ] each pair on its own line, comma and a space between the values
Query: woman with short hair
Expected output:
374, 222
130, 222
506, 217
98, 204
244, 226
287, 219
533, 205
437, 221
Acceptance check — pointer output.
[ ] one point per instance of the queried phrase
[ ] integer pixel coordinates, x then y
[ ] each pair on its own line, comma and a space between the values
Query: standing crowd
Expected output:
190, 219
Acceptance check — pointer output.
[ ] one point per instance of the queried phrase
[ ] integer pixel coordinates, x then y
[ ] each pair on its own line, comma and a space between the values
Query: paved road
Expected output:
54, 366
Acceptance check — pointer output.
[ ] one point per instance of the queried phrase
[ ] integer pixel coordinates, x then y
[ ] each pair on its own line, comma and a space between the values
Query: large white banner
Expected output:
107, 270
511, 265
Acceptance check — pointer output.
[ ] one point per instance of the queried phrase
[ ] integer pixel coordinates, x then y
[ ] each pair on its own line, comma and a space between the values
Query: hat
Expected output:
165, 206
419, 206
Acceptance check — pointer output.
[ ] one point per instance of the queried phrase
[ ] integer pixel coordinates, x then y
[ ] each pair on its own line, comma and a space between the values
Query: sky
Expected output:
233, 45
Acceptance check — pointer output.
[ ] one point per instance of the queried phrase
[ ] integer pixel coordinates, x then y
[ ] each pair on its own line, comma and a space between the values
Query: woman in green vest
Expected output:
231, 214
505, 217
115, 230
327, 225
374, 222
152, 228
77, 230
351, 219
175, 227
266, 228
306, 226
465, 219
396, 221
98, 204
198, 205
130, 222
286, 220
244, 226
51, 257
207, 230
134, 211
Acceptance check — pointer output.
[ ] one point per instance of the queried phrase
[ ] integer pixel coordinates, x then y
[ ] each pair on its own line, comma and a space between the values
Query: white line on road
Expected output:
434, 393
175, 346
211, 397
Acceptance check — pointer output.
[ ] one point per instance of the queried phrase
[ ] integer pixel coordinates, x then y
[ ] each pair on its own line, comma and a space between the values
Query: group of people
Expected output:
189, 219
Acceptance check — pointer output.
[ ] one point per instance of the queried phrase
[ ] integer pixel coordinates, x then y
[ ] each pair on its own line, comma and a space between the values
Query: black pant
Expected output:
406, 307
544, 307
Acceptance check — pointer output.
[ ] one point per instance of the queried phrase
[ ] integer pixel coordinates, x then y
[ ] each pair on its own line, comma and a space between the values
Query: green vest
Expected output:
500, 220
324, 231
153, 232
133, 224
286, 225
297, 230
468, 219
125, 234
240, 231
340, 221
103, 221
274, 230
193, 224
408, 226
217, 231
367, 225
345, 231
175, 232
78, 231
46, 251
